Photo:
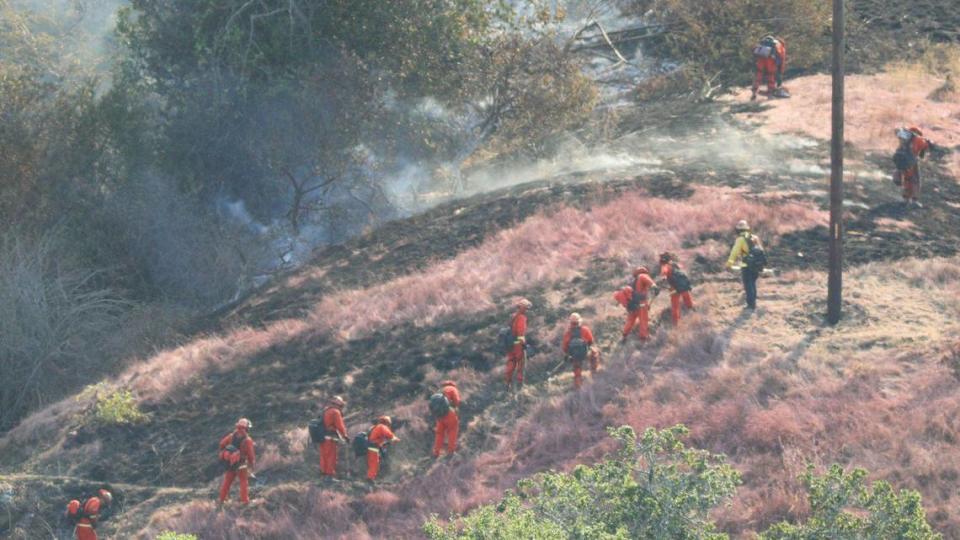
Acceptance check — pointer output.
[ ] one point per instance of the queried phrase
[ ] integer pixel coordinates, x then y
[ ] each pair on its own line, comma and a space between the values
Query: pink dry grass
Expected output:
876, 105
768, 414
549, 247
289, 512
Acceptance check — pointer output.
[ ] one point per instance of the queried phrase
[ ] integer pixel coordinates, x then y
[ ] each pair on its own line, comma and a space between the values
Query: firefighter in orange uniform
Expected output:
517, 356
380, 436
449, 426
242, 467
332, 423
86, 514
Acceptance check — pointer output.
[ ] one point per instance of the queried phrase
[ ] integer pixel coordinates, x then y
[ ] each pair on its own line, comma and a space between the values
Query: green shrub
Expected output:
843, 506
654, 487
719, 37
170, 535
114, 406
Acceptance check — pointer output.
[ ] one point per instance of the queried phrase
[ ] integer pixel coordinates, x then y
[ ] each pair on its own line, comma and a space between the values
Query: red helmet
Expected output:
448, 383
627, 289
105, 496
244, 425
385, 420
640, 270
916, 130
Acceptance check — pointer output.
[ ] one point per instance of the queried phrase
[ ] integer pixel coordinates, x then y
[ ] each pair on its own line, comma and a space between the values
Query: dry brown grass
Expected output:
773, 391
875, 106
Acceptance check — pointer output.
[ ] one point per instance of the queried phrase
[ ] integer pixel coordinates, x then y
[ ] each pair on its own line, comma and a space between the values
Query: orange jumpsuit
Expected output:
449, 426
675, 297
91, 511
516, 356
771, 69
587, 336
642, 285
911, 176
332, 423
379, 436
246, 465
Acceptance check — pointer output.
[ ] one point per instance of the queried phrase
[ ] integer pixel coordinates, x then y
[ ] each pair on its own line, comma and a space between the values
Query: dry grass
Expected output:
875, 106
551, 247
547, 247
771, 391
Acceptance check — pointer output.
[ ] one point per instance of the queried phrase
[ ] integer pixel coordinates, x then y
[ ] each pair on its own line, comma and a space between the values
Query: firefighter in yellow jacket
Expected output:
749, 256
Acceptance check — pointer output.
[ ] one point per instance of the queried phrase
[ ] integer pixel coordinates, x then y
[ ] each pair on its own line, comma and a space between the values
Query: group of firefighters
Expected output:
578, 345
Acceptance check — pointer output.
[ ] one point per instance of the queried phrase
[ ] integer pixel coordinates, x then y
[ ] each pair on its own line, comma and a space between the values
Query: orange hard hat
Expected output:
385, 420
105, 496
640, 270
244, 424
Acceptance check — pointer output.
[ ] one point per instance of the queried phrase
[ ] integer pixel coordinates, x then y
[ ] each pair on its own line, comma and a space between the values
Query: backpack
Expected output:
767, 48
317, 429
679, 280
578, 348
903, 158
636, 299
231, 457
439, 405
756, 259
360, 444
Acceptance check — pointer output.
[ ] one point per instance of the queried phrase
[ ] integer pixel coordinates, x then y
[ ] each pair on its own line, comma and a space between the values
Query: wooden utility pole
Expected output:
835, 283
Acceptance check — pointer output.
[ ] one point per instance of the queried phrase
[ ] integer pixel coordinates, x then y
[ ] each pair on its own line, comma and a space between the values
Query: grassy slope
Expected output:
771, 390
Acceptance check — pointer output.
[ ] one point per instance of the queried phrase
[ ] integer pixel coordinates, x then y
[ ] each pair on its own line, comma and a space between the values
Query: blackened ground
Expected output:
407, 246
937, 20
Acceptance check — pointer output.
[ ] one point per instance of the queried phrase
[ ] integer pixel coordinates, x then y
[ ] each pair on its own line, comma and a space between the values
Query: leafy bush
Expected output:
170, 535
537, 89
718, 37
657, 488
844, 506
114, 407
654, 487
